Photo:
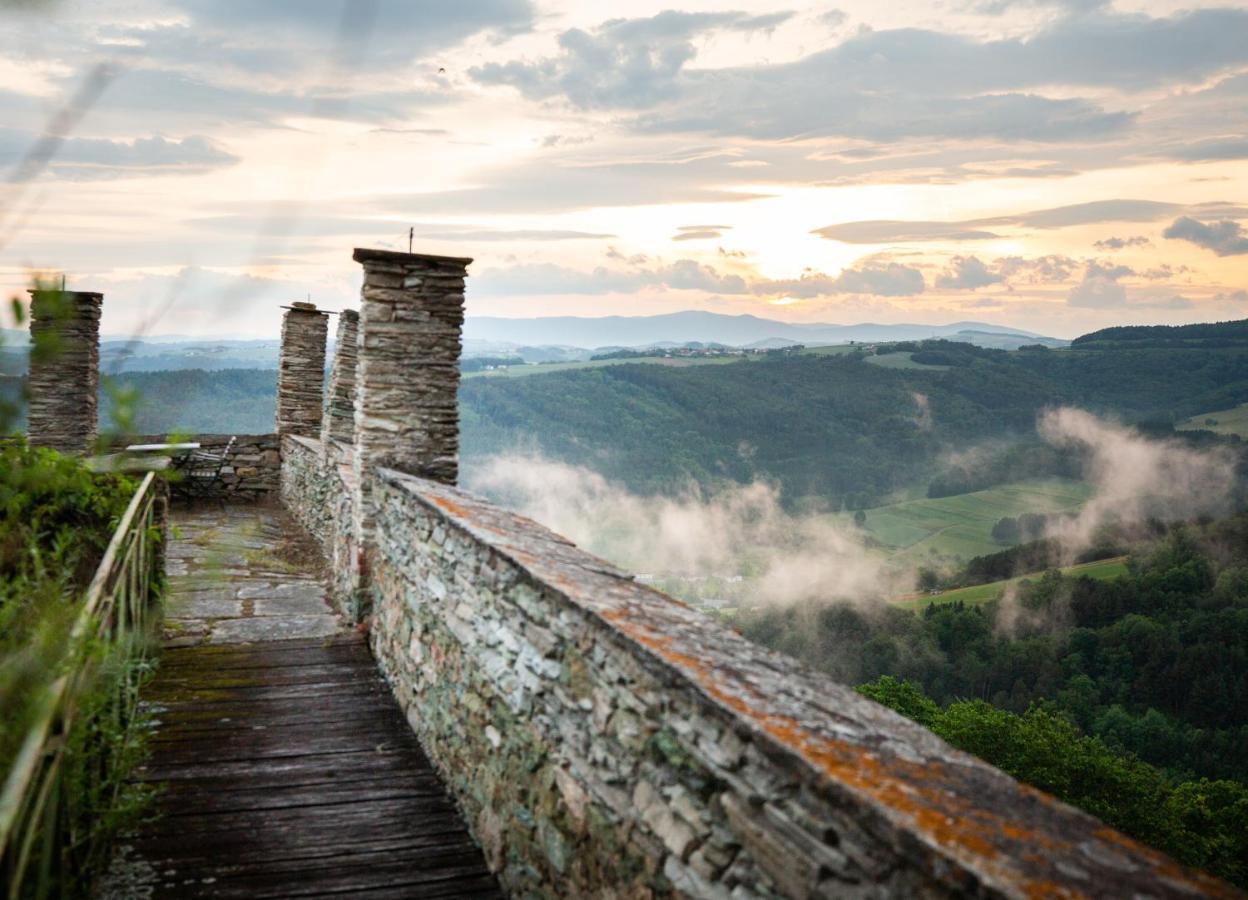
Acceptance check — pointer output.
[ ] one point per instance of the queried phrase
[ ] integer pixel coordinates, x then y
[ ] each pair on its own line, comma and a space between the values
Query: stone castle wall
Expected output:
318, 487
604, 739
252, 471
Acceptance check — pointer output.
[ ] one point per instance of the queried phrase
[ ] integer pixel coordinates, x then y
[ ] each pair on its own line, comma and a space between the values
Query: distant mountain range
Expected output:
545, 339
707, 327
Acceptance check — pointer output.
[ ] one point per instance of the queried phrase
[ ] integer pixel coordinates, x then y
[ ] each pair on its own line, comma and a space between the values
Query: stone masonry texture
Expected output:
606, 740
251, 471
407, 377
301, 370
319, 487
338, 422
64, 370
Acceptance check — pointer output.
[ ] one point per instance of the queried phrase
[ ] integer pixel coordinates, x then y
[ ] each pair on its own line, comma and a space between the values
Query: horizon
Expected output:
1050, 167
962, 324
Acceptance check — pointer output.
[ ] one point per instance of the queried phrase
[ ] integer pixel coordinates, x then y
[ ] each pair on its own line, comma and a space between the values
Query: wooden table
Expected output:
171, 449
127, 465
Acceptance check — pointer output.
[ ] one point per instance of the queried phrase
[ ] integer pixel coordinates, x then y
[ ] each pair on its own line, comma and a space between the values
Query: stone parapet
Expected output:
318, 487
607, 740
338, 421
63, 409
252, 470
301, 370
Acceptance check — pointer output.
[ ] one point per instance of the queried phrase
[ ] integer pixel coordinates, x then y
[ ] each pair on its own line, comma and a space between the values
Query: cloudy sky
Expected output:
1055, 166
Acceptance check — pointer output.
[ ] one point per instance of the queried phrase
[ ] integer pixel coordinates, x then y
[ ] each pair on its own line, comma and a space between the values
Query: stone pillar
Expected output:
407, 378
63, 412
339, 418
301, 370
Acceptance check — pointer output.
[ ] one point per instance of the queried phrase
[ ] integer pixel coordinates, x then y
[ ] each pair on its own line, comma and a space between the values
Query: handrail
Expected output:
115, 608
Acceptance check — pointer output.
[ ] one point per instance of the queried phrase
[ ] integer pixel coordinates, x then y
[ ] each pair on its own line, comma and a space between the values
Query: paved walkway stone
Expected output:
244, 573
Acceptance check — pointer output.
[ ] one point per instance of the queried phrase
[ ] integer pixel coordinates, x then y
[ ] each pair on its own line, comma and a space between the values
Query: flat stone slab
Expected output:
290, 606
203, 605
240, 574
273, 628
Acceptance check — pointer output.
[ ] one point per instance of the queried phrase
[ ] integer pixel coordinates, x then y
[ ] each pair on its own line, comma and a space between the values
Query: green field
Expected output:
959, 528
1102, 569
901, 361
1226, 421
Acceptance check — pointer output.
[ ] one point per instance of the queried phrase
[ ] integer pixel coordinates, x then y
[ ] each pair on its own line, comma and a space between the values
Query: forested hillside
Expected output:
1153, 665
832, 428
836, 428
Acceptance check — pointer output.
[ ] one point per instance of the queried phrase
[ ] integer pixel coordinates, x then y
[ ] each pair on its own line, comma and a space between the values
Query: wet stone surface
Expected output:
243, 573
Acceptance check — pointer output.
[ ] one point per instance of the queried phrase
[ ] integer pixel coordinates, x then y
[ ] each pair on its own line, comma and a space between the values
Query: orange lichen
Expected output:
910, 790
928, 796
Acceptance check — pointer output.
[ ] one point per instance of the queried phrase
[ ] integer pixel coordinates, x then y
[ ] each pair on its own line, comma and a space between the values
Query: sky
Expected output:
1053, 166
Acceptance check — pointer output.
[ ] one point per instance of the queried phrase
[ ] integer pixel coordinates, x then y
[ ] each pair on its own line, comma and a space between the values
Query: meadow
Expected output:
957, 528
1225, 421
1101, 569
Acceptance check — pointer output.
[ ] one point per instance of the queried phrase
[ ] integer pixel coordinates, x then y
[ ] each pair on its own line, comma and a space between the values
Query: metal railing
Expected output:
37, 828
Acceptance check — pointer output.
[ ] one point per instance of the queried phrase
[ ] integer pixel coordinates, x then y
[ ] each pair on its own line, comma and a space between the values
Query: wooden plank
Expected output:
277, 768
355, 791
440, 868
289, 770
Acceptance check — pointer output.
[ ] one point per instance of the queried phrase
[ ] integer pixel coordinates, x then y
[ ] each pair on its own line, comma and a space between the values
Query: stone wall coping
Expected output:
94, 295
308, 443
961, 821
205, 438
369, 254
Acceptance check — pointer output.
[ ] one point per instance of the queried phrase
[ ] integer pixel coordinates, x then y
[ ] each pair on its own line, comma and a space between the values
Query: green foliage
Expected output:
1154, 662
1206, 334
903, 697
1201, 823
231, 401
833, 427
56, 519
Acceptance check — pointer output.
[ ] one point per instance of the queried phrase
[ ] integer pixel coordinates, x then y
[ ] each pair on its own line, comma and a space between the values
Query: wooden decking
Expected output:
287, 768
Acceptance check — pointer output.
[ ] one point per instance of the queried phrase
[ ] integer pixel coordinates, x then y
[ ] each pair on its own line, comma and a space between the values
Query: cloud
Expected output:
1099, 288
873, 278
82, 158
740, 531
882, 231
833, 18
883, 85
1052, 268
373, 35
1119, 243
1135, 478
563, 185
968, 273
623, 63
1089, 214
1218, 149
877, 279
1224, 237
548, 278
700, 232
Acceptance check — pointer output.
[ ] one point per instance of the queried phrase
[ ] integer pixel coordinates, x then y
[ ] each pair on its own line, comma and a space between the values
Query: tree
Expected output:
1006, 531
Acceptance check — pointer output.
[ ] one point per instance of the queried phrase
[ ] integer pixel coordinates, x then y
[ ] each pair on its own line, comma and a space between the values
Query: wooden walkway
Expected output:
288, 769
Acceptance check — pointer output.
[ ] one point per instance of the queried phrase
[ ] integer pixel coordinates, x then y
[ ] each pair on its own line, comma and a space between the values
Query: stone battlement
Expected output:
600, 735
